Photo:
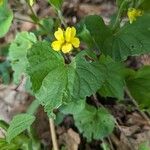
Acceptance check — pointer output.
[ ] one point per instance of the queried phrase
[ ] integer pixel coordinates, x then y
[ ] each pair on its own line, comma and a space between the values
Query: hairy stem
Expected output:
61, 18
119, 14
53, 134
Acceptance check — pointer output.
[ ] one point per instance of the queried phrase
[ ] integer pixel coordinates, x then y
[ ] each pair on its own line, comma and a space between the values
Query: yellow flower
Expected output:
1, 2
133, 14
65, 40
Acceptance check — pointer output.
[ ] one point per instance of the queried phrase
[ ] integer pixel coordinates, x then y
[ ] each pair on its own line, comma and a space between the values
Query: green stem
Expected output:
137, 106
119, 14
32, 109
32, 11
36, 18
61, 18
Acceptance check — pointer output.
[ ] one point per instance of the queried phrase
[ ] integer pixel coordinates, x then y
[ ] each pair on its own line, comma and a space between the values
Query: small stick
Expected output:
53, 134
111, 145
129, 142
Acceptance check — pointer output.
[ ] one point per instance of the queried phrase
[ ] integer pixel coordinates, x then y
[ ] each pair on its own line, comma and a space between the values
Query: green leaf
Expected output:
113, 85
55, 82
4, 145
130, 40
4, 72
18, 51
56, 3
94, 123
138, 84
73, 107
18, 124
6, 17
4, 125
33, 107
94, 25
144, 146
46, 28
48, 75
85, 77
145, 5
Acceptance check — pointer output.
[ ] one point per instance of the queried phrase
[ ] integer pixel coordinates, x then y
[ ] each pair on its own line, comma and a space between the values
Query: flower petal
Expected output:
67, 47
75, 42
70, 33
133, 14
59, 34
73, 32
56, 45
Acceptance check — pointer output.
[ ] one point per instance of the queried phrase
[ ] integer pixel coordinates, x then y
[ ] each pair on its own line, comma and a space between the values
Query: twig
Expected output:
130, 144
111, 145
95, 100
53, 134
137, 106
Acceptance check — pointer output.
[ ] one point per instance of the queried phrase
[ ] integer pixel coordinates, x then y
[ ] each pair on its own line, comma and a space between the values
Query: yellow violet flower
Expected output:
65, 40
133, 14
1, 2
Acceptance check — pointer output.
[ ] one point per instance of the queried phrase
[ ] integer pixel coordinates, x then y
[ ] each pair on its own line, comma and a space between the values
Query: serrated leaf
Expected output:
48, 75
54, 82
17, 53
113, 85
100, 119
130, 40
18, 124
84, 77
6, 17
138, 84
